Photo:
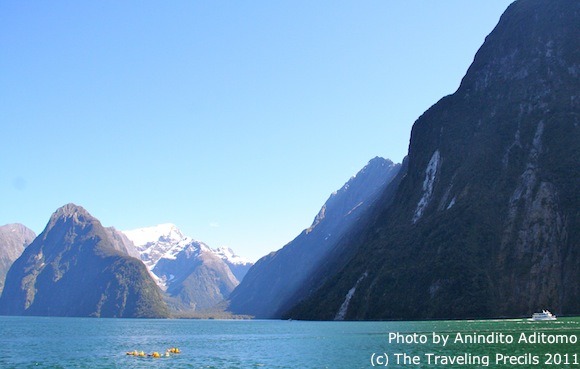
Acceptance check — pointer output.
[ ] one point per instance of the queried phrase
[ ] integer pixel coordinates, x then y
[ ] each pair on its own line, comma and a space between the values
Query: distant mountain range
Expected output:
194, 276
77, 267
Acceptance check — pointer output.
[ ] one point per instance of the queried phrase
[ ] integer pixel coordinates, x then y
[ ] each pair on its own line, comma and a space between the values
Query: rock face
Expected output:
13, 239
485, 221
193, 275
279, 280
77, 267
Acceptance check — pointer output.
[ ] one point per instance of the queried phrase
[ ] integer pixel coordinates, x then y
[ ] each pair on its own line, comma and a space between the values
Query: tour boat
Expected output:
544, 315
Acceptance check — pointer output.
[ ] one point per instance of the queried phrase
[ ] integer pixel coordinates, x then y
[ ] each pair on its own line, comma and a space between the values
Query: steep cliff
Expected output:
279, 280
485, 222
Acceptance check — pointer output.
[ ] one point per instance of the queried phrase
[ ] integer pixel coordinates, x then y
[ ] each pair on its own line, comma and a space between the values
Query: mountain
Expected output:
194, 276
484, 221
77, 267
13, 239
237, 264
157, 242
282, 278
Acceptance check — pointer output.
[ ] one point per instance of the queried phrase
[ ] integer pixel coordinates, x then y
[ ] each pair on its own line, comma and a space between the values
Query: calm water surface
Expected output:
37, 342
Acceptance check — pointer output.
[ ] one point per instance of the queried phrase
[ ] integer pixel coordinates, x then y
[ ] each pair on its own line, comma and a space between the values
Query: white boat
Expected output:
544, 315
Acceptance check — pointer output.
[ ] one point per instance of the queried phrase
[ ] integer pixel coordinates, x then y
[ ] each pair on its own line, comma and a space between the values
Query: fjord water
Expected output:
39, 342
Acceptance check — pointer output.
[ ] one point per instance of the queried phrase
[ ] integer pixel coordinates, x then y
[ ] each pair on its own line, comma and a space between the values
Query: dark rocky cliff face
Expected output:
76, 267
13, 239
485, 222
281, 279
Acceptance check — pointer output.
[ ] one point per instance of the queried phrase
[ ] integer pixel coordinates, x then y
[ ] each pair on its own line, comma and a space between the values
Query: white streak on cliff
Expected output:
430, 173
341, 314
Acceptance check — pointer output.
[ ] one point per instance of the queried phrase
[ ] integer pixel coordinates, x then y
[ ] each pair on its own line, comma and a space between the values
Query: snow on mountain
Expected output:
228, 255
166, 241
143, 236
193, 276
163, 241
238, 265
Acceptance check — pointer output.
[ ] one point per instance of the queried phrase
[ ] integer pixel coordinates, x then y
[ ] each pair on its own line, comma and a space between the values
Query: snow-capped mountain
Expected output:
192, 274
238, 264
228, 255
163, 241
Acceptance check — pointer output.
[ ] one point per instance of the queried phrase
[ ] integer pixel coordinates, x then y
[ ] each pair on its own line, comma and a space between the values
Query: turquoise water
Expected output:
37, 342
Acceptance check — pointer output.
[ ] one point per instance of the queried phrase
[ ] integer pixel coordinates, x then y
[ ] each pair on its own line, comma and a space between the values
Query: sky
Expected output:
234, 120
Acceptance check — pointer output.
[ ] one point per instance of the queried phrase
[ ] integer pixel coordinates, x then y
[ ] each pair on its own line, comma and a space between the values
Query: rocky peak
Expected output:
77, 267
19, 232
356, 190
229, 256
71, 212
160, 241
528, 44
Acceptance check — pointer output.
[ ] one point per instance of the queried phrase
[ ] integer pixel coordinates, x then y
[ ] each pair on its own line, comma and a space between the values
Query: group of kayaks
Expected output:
155, 354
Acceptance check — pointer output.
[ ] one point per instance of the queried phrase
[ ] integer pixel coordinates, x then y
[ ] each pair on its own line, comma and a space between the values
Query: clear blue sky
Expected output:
235, 120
